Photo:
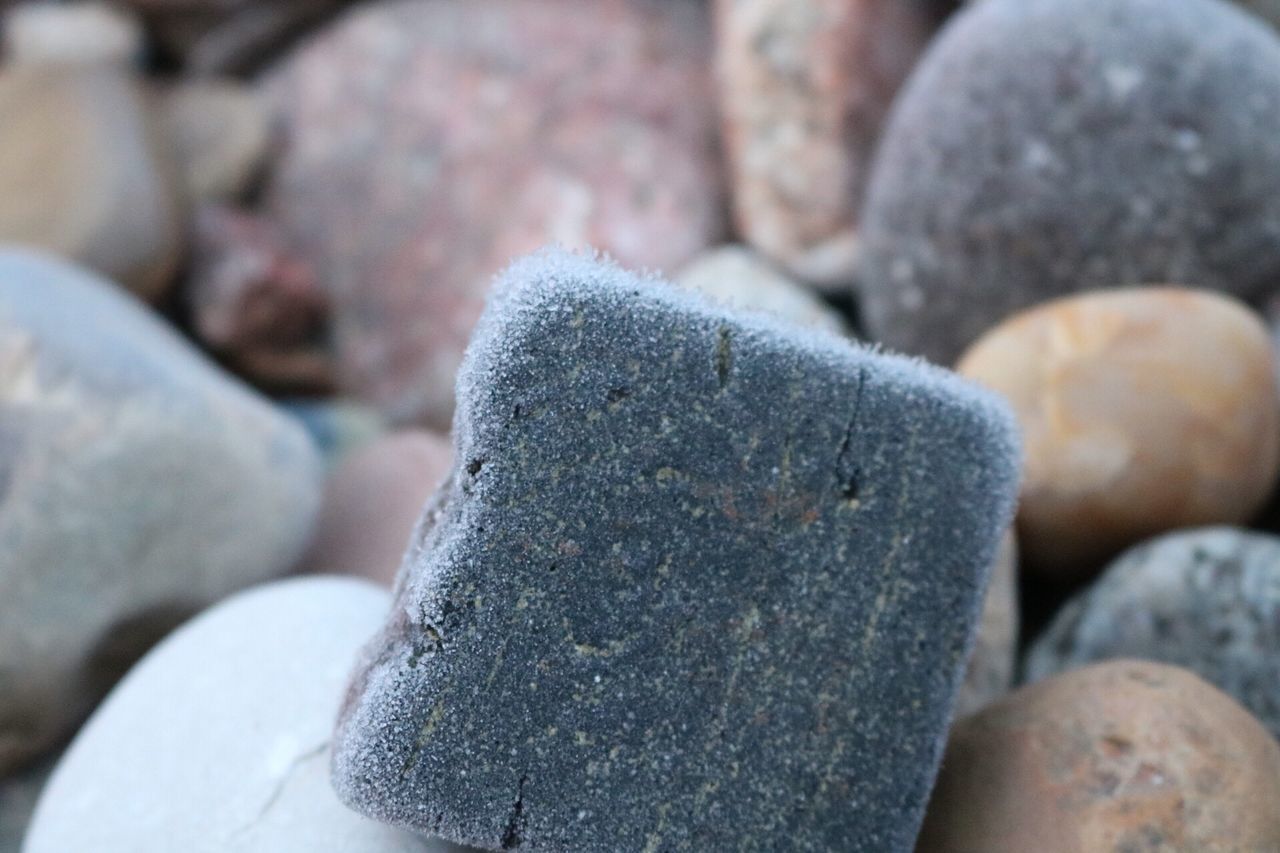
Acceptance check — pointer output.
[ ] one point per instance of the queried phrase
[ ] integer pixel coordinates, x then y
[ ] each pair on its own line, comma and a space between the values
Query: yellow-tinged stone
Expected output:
1143, 410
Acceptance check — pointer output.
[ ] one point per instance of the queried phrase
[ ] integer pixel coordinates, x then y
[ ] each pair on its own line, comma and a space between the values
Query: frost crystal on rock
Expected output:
699, 581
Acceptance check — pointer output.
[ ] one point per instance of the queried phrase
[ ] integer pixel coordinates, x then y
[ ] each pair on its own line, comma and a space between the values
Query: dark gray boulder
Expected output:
700, 581
1043, 147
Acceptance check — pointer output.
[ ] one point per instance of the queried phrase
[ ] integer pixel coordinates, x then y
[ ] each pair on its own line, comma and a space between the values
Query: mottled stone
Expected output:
372, 502
85, 173
221, 132
257, 306
1043, 148
1207, 600
219, 738
1122, 756
805, 86
738, 277
991, 665
87, 33
431, 142
137, 483
700, 581
1144, 410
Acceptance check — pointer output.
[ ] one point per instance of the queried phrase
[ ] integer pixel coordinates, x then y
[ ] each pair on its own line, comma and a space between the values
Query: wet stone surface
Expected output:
690, 587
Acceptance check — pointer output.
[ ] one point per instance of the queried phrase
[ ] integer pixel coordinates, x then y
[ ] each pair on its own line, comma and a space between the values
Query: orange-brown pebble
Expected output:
372, 501
1121, 756
1143, 410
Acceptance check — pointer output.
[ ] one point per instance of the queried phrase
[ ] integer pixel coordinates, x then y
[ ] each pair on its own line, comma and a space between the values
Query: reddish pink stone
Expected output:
373, 500
430, 142
805, 86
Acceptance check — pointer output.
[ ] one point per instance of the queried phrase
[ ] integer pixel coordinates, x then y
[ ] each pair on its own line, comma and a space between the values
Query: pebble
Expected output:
137, 484
430, 142
336, 426
683, 590
372, 503
993, 660
805, 86
18, 796
88, 33
1207, 600
256, 305
1043, 148
1121, 756
219, 738
740, 278
85, 173
221, 131
1142, 410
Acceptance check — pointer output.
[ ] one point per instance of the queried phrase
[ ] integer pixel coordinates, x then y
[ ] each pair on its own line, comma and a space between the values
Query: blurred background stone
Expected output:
221, 132
1207, 600
257, 307
1120, 756
805, 86
1142, 410
89, 33
991, 665
430, 142
86, 173
373, 500
137, 484
1043, 148
737, 276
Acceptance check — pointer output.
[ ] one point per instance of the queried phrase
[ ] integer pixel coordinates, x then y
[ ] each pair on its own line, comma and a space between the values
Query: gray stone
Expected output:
1043, 147
740, 278
994, 659
137, 484
1207, 600
218, 740
700, 581
18, 796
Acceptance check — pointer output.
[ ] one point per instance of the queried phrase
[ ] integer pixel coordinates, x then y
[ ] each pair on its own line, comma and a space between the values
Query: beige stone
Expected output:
1143, 410
85, 174
1122, 756
221, 132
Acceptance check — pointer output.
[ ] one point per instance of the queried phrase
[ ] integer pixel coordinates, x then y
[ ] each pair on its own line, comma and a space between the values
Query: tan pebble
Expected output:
1143, 410
1120, 756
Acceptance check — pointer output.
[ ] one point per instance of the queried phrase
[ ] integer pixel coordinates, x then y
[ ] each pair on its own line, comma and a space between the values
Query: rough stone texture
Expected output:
219, 738
805, 86
137, 483
700, 581
1208, 600
433, 140
221, 132
87, 33
1144, 410
257, 306
372, 502
85, 174
1123, 756
1044, 147
991, 665
738, 277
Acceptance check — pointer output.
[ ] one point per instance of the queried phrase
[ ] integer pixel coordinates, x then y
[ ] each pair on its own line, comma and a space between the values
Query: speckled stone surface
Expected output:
1043, 147
1206, 599
700, 582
